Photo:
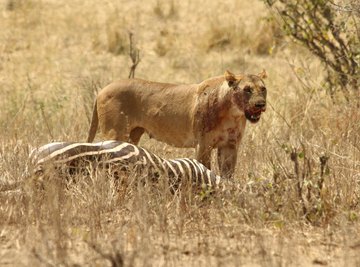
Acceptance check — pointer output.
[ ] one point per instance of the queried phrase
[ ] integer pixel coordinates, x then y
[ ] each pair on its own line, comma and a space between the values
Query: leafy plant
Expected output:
330, 32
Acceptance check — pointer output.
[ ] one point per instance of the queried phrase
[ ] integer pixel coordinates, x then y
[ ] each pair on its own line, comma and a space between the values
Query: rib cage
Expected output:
124, 156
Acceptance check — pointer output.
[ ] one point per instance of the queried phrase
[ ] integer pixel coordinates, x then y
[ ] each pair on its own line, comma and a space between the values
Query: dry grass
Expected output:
292, 210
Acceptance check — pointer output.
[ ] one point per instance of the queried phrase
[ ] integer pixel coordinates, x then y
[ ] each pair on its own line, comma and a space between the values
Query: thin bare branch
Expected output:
134, 54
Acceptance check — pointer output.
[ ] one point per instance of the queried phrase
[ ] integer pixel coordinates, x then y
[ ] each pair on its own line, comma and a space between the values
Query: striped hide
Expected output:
121, 156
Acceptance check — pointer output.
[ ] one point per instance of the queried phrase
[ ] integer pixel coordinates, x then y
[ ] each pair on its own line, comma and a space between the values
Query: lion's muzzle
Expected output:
253, 114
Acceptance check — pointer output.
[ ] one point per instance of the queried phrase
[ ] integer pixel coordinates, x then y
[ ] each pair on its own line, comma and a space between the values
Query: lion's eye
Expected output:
248, 90
263, 89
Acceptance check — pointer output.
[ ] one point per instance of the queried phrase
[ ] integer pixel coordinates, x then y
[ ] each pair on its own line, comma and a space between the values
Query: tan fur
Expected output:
208, 115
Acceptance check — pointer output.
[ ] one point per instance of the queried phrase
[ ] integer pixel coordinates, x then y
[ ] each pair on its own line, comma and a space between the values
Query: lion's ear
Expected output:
263, 75
230, 78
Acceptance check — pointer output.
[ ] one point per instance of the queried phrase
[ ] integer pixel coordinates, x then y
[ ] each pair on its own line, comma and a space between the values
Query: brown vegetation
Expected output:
298, 170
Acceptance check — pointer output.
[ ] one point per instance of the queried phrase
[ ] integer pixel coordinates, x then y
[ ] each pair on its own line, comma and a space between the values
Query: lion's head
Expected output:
249, 93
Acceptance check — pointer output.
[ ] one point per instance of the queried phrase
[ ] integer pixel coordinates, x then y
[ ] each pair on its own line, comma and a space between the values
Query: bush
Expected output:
329, 31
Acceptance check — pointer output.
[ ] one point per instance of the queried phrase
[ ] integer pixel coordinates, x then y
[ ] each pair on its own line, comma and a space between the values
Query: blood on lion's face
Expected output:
254, 93
249, 94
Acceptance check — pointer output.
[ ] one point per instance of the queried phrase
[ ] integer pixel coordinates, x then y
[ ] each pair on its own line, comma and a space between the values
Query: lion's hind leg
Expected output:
135, 135
114, 126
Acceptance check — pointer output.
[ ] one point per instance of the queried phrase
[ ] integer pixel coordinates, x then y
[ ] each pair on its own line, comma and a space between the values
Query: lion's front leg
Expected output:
203, 154
227, 156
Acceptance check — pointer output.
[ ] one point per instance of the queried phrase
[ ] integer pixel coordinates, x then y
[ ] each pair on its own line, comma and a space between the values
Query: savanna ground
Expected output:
298, 169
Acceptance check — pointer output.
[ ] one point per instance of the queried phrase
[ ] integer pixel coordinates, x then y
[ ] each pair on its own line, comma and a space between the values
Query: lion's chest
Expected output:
229, 129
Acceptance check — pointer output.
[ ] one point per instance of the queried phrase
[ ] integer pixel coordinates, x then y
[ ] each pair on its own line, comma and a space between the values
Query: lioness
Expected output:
208, 115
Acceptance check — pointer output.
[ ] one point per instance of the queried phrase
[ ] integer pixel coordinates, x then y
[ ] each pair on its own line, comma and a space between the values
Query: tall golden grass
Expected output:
298, 169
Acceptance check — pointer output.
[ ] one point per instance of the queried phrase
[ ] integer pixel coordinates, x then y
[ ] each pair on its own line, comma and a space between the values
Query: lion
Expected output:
206, 116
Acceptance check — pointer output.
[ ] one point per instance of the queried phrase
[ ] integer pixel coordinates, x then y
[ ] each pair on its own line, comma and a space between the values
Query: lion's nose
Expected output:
260, 104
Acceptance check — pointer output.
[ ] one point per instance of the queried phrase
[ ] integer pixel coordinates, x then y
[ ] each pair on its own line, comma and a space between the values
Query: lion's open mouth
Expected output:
253, 116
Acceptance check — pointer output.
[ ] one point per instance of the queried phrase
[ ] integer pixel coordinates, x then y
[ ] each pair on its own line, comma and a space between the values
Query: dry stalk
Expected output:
115, 258
323, 163
300, 179
134, 54
42, 111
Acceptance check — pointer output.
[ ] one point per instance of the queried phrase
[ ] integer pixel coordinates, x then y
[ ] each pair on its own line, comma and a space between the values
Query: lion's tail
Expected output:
93, 125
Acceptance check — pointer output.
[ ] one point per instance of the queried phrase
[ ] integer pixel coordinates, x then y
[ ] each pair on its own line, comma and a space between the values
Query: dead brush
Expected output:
299, 188
164, 43
299, 184
116, 34
311, 186
226, 35
165, 9
219, 36
60, 206
89, 87
268, 38
13, 5
115, 258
